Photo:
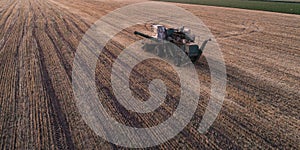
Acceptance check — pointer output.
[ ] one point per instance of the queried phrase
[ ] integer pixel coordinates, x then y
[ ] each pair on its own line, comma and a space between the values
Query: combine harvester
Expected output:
164, 43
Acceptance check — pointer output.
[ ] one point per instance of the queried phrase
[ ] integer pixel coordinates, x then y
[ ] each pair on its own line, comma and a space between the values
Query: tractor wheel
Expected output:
194, 59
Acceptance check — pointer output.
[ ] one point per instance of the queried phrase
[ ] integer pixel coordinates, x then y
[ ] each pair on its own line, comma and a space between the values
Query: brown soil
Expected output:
38, 41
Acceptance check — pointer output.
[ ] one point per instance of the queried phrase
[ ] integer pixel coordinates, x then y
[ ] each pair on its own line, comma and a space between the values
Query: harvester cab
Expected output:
180, 37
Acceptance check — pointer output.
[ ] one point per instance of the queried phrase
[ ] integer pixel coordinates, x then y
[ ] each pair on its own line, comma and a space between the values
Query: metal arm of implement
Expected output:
201, 49
204, 44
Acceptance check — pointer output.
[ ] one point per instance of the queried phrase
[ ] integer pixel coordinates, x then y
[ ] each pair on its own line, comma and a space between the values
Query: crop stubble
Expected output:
38, 41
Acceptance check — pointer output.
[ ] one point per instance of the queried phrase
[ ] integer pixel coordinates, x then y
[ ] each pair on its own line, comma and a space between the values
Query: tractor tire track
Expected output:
60, 123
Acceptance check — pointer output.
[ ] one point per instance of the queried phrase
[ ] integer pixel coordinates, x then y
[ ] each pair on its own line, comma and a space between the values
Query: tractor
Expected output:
166, 40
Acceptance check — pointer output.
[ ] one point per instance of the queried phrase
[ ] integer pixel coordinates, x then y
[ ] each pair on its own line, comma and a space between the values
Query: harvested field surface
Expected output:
283, 6
38, 41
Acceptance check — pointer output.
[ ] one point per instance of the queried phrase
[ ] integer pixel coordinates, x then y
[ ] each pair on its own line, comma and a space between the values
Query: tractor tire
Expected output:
193, 59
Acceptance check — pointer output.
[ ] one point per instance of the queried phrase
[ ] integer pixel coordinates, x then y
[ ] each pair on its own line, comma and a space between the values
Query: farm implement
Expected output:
166, 42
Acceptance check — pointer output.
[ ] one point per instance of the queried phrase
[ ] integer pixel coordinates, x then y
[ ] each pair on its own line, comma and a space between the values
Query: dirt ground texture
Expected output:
38, 41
